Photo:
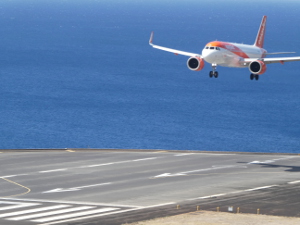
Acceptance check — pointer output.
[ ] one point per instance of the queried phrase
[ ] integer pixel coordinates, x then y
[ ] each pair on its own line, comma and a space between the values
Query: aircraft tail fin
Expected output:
259, 42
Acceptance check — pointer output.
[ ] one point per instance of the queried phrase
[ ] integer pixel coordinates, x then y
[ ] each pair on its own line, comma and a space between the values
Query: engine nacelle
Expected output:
195, 63
257, 67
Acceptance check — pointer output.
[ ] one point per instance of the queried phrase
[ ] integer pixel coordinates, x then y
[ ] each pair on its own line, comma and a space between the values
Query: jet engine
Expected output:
257, 67
195, 63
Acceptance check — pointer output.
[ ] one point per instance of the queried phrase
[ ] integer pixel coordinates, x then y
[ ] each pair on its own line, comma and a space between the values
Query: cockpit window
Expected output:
212, 48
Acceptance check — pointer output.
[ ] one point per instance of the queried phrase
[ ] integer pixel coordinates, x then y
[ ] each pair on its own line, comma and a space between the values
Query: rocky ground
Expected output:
220, 218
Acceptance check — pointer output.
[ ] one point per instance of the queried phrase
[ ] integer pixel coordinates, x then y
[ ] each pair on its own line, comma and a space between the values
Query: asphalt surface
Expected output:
119, 186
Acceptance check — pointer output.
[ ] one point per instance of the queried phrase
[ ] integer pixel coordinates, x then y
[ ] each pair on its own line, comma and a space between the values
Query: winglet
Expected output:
151, 38
259, 42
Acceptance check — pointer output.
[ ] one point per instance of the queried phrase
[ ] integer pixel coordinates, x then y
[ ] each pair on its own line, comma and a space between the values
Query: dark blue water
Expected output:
80, 73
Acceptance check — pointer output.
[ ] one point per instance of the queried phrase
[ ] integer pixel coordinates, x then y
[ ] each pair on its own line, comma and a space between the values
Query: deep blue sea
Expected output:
80, 73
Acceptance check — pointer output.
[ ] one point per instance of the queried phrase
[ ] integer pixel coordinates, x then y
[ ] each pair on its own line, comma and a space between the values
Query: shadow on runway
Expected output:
289, 168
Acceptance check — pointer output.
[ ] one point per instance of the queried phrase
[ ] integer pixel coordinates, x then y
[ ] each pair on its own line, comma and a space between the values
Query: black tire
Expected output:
216, 74
251, 76
211, 74
256, 77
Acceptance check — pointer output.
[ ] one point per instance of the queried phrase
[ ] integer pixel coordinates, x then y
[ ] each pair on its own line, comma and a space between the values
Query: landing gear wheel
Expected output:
216, 74
251, 76
256, 77
211, 74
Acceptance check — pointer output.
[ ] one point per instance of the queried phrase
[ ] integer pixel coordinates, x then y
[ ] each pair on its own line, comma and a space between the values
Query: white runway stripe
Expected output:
32, 210
294, 182
51, 171
16, 205
259, 188
50, 213
73, 215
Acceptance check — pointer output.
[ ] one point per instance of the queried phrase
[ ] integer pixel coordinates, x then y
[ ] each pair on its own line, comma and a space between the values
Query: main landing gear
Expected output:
214, 73
252, 76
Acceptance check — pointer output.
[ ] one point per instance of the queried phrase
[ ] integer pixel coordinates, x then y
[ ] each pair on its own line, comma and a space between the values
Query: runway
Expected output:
80, 186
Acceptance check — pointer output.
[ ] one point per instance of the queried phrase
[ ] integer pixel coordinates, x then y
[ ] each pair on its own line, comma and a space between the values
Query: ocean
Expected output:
80, 74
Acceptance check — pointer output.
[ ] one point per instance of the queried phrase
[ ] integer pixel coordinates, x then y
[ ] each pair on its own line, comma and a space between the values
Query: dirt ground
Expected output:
220, 218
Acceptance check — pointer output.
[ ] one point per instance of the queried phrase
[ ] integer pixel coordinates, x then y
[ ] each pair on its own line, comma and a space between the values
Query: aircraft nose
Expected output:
206, 54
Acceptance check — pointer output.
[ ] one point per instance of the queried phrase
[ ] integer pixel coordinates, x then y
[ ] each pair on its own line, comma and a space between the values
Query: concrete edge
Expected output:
144, 150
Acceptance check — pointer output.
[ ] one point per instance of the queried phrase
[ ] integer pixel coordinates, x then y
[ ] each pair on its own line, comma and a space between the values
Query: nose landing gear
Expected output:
214, 73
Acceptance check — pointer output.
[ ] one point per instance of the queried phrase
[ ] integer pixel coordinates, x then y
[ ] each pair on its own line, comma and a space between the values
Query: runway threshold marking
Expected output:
108, 213
22, 212
53, 211
15, 183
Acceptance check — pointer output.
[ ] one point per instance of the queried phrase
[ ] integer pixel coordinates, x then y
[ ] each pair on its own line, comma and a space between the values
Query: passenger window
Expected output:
212, 47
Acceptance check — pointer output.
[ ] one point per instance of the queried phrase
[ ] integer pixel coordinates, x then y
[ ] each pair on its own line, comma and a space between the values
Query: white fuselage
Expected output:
230, 54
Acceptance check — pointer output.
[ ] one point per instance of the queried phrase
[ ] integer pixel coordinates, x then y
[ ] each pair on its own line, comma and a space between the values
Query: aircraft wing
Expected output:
176, 52
274, 60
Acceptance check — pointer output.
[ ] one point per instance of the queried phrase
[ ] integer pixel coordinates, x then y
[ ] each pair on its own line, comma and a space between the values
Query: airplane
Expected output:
219, 53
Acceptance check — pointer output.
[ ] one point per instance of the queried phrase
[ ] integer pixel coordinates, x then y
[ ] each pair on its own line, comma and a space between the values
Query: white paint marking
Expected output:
271, 160
184, 154
105, 164
71, 202
234, 192
192, 171
50, 213
215, 154
205, 197
136, 160
294, 182
33, 210
259, 188
113, 163
49, 219
105, 214
17, 175
74, 188
51, 171
16, 205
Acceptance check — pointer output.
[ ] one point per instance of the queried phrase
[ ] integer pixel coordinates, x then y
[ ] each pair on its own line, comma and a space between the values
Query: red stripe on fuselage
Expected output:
228, 46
